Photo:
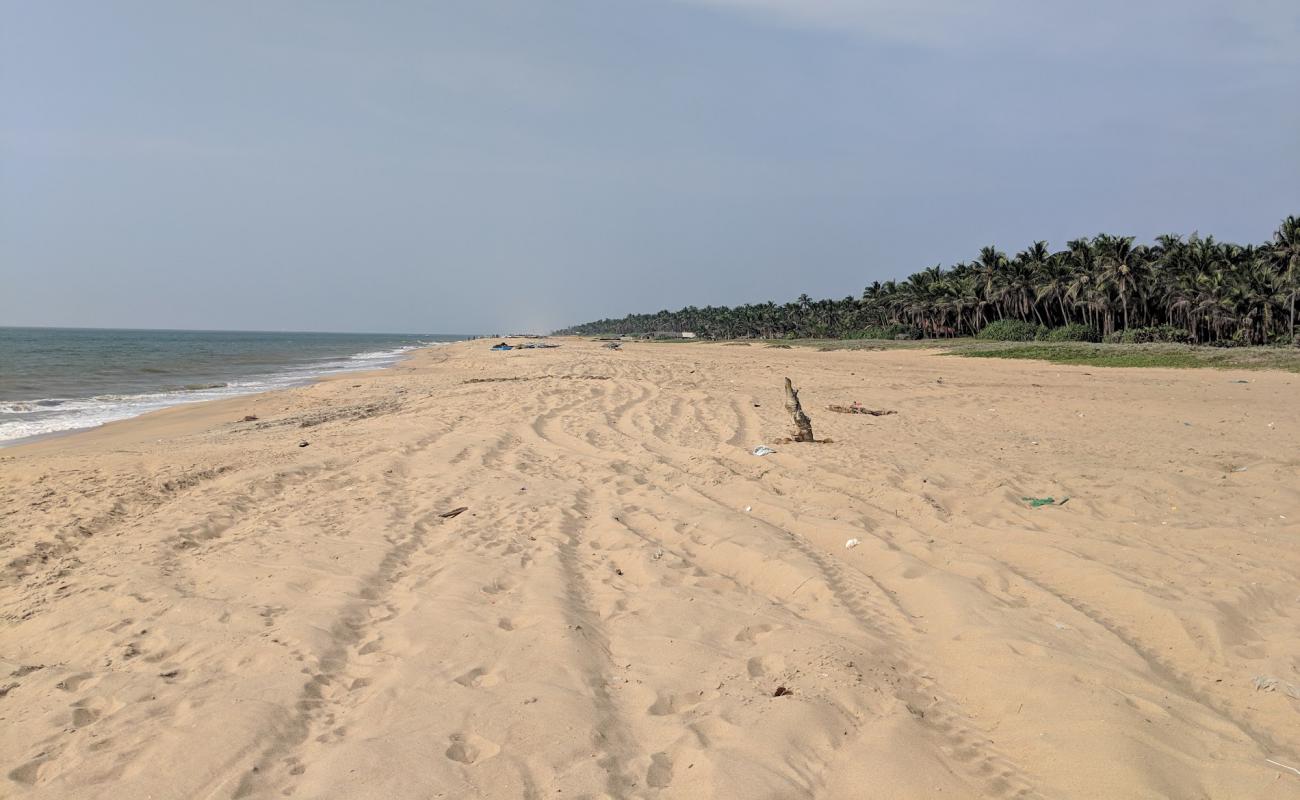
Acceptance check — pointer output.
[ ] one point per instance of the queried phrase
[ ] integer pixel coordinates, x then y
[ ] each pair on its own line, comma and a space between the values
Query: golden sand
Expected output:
194, 606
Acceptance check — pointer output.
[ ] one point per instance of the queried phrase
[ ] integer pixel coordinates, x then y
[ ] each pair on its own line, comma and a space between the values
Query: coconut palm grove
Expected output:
1195, 290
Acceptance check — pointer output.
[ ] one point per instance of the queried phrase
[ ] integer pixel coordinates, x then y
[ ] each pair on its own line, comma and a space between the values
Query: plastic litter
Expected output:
1036, 502
852, 543
502, 346
1283, 766
763, 450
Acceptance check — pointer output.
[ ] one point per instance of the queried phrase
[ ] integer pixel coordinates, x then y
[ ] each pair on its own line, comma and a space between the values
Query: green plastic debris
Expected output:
1035, 502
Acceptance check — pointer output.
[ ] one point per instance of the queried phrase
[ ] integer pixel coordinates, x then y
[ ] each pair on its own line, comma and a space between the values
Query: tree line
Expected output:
1195, 289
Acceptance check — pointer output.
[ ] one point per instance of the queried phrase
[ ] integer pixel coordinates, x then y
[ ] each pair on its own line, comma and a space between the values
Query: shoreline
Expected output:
400, 358
476, 549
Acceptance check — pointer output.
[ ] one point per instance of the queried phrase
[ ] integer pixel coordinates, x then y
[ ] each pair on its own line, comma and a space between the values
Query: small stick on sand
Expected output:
803, 425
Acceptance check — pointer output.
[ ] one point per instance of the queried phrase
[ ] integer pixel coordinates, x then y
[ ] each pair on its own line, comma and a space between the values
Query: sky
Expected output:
475, 167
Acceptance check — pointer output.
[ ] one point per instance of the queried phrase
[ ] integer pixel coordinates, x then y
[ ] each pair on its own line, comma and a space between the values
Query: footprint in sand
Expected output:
672, 703
28, 773
499, 585
479, 678
660, 773
470, 748
754, 633
81, 717
73, 682
761, 666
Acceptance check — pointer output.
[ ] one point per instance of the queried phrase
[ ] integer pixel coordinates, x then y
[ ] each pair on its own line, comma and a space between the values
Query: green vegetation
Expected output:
1150, 335
1177, 289
1011, 330
1173, 356
1089, 354
1073, 332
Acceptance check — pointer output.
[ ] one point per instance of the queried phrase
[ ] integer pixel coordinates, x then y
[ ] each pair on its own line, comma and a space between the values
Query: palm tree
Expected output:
1286, 247
1214, 291
1119, 268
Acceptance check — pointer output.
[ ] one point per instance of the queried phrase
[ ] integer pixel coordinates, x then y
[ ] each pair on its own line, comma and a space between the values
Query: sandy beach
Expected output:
633, 605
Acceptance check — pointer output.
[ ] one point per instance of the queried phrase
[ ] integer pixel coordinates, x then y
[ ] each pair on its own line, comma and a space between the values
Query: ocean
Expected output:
63, 379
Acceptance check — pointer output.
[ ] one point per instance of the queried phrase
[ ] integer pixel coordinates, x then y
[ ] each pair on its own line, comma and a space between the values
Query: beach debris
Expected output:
852, 543
502, 346
1267, 683
658, 553
1038, 502
1283, 766
748, 509
1238, 469
455, 512
802, 424
1240, 381
857, 408
763, 450
537, 378
303, 443
612, 346
781, 691
250, 418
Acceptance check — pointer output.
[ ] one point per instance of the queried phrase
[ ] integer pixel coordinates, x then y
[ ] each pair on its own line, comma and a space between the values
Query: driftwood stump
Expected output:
803, 425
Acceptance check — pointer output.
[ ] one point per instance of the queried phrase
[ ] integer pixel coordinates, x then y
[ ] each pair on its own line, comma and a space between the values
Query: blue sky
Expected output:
479, 166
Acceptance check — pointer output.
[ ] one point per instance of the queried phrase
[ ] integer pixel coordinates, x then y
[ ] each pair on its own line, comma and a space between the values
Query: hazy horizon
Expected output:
474, 168
237, 330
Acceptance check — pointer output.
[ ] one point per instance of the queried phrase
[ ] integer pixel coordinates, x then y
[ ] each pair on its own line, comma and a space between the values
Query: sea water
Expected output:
63, 379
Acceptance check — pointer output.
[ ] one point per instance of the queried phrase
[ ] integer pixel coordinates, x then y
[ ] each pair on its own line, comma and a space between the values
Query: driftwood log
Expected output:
803, 425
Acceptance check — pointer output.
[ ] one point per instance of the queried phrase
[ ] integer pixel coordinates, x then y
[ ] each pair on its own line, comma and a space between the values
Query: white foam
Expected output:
27, 418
